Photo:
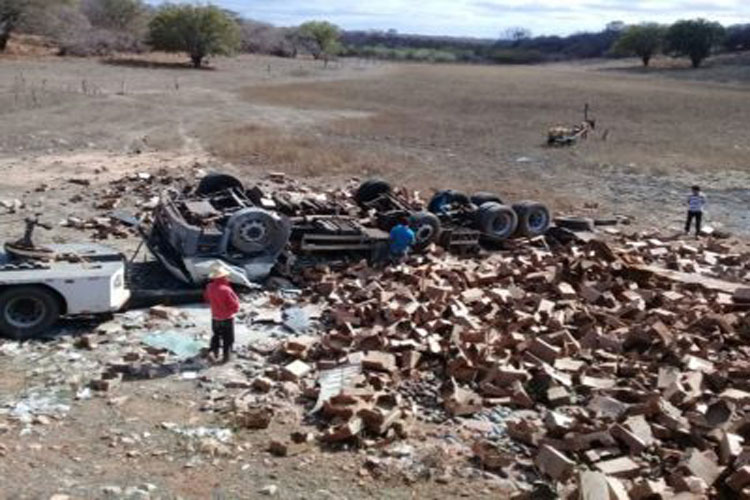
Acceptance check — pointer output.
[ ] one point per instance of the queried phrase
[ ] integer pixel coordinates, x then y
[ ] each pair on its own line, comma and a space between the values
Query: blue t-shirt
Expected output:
402, 237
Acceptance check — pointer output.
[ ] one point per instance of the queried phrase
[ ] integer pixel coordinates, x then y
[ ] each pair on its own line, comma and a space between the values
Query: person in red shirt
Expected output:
224, 305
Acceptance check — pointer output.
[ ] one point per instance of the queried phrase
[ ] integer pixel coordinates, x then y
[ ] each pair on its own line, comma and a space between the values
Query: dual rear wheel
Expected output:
496, 220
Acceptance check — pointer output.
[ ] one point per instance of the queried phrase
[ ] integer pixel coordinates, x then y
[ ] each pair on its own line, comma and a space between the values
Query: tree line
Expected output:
695, 39
102, 27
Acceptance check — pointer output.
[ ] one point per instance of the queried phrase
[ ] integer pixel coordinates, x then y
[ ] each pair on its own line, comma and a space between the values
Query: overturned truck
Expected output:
454, 219
219, 220
223, 220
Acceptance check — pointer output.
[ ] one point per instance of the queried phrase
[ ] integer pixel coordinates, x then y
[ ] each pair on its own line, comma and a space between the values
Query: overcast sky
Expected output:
485, 18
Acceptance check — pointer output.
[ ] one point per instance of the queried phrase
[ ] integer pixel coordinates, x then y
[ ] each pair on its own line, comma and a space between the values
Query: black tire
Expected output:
496, 222
27, 311
575, 223
483, 197
371, 189
606, 221
446, 197
215, 182
426, 229
533, 218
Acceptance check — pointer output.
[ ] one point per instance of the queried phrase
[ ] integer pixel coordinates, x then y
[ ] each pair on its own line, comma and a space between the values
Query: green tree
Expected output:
200, 31
693, 38
643, 40
322, 39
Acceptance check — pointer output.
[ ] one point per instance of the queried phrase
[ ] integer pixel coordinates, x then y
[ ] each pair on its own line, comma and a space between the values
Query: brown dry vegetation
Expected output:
725, 68
468, 126
493, 111
302, 153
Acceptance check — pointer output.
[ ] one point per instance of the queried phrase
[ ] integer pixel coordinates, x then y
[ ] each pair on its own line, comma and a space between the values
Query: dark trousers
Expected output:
698, 216
223, 334
397, 258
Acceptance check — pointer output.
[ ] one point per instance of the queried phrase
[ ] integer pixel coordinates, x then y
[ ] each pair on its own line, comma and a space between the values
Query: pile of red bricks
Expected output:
629, 357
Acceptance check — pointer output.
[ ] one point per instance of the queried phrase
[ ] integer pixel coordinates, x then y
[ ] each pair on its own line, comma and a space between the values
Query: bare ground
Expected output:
120, 442
424, 126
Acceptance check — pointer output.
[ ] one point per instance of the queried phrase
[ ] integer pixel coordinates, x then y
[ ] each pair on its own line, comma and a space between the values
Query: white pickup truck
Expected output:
76, 279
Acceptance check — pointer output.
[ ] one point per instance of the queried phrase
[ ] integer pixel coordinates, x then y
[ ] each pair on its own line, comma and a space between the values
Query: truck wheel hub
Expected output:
253, 231
424, 232
24, 312
500, 224
537, 221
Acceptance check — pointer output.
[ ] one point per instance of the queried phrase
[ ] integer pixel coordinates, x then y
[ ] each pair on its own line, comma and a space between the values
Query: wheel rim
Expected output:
501, 225
424, 233
440, 203
253, 231
24, 312
538, 220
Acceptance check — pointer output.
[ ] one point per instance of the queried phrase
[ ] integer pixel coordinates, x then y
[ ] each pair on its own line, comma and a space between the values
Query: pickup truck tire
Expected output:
426, 229
533, 218
215, 182
371, 189
27, 311
444, 198
483, 197
496, 222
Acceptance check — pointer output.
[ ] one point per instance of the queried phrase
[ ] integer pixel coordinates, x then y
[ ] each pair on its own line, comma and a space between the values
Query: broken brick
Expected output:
554, 463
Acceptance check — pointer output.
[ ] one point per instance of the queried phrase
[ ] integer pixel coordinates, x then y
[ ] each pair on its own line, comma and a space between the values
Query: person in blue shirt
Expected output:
401, 240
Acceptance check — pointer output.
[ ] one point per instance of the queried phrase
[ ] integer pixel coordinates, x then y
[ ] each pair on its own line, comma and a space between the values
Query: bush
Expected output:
694, 39
264, 38
738, 38
31, 16
444, 56
200, 31
127, 16
99, 42
321, 39
643, 40
409, 54
72, 31
515, 56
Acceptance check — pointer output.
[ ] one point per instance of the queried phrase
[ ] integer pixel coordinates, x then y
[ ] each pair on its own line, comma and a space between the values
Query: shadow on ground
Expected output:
140, 63
657, 70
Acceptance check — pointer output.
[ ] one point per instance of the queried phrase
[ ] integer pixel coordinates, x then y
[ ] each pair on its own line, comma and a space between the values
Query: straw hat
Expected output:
218, 270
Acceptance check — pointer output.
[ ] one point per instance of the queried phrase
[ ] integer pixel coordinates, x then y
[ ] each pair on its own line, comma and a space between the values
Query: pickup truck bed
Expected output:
76, 279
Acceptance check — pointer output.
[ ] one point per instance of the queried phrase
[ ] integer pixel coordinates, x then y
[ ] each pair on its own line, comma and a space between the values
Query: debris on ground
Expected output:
623, 358
581, 363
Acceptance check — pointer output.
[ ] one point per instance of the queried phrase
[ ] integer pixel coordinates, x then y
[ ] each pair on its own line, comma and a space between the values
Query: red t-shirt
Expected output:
222, 299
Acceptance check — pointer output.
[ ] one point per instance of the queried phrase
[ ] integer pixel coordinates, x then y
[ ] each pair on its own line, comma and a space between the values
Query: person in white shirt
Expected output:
696, 202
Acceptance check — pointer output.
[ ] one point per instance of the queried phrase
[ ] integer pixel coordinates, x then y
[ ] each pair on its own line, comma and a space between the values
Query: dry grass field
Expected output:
427, 126
483, 128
